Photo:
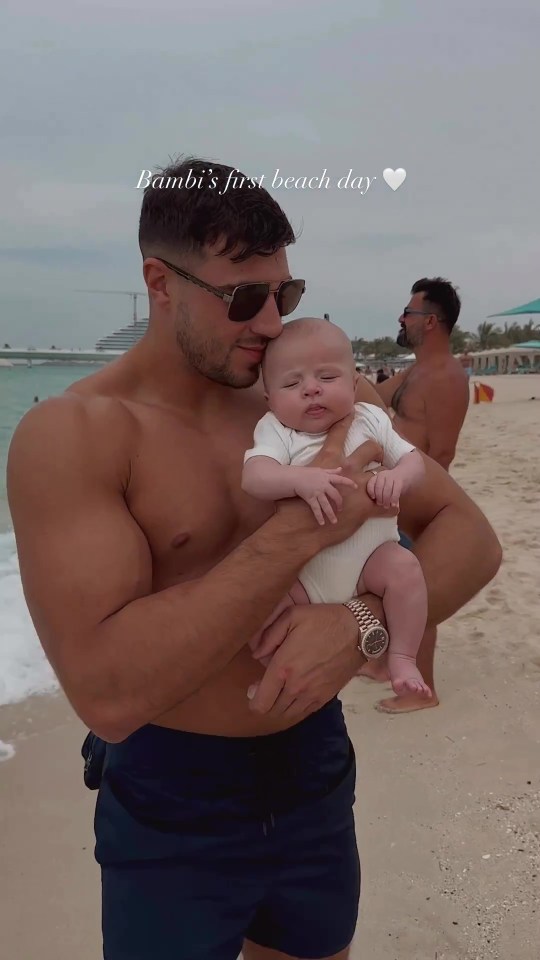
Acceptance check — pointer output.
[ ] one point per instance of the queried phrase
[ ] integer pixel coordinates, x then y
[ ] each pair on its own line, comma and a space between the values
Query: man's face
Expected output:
413, 322
226, 351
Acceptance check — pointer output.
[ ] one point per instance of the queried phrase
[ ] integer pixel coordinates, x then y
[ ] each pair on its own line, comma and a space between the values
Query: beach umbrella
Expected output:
532, 307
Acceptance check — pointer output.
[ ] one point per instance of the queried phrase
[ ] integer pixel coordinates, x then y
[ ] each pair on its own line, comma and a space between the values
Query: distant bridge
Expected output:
81, 356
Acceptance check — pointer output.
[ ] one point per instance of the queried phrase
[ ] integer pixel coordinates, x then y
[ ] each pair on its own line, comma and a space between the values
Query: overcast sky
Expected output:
95, 92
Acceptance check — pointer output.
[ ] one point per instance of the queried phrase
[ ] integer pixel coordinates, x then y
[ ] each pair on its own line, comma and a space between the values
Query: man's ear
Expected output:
266, 397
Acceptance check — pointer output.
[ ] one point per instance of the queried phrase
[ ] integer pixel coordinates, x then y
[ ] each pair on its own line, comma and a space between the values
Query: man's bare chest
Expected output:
408, 400
185, 494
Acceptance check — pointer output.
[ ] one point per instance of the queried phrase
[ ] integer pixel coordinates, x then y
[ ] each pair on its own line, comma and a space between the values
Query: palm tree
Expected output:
487, 335
459, 339
529, 331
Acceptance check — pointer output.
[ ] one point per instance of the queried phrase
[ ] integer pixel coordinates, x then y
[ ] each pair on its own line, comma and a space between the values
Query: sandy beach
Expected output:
448, 800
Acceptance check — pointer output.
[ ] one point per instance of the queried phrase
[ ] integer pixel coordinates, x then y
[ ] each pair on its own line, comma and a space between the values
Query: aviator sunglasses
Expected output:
248, 299
423, 313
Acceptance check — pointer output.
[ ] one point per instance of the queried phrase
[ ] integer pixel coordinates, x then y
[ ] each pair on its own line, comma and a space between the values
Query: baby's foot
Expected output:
406, 677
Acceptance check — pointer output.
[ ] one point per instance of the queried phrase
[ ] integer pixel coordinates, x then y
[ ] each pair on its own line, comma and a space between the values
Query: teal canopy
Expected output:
532, 307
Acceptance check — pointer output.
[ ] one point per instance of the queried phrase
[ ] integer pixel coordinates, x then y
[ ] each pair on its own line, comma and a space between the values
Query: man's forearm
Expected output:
156, 651
459, 554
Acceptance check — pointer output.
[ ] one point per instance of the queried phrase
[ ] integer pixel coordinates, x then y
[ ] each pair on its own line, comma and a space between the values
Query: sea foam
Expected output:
24, 669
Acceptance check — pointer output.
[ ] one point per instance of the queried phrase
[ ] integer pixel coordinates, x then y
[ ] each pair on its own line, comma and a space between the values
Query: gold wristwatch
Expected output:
373, 638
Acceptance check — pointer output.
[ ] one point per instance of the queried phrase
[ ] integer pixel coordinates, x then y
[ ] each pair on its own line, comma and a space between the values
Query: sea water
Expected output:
24, 669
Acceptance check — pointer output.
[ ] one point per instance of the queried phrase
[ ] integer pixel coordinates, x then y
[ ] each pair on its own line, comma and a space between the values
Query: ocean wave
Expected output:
24, 669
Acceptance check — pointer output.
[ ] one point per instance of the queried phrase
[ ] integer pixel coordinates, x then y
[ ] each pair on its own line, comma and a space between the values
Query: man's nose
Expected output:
268, 322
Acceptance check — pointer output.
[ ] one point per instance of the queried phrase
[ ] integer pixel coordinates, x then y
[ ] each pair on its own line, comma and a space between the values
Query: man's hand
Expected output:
317, 487
385, 488
317, 655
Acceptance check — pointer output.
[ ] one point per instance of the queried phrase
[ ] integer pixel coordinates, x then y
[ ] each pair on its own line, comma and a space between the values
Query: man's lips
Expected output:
255, 351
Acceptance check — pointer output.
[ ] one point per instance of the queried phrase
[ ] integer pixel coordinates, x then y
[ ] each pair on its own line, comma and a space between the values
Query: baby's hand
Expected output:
318, 487
385, 488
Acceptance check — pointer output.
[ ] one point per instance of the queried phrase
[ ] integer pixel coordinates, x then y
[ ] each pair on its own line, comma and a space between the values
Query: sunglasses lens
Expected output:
247, 301
289, 295
250, 298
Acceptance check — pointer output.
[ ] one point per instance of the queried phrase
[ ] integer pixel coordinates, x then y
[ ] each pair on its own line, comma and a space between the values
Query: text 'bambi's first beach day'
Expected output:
276, 181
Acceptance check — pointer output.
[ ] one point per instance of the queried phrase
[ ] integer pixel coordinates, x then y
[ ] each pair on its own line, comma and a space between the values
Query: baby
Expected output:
309, 378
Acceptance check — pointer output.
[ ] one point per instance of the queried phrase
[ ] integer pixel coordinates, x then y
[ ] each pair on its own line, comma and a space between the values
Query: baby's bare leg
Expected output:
395, 575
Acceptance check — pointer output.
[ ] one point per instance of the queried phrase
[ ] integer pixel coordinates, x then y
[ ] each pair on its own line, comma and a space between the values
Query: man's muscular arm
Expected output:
123, 654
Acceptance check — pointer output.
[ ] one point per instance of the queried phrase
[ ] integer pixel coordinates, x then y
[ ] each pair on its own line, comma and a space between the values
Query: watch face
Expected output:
375, 642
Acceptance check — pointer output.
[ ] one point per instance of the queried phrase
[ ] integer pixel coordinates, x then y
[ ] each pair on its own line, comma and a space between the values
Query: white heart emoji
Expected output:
394, 178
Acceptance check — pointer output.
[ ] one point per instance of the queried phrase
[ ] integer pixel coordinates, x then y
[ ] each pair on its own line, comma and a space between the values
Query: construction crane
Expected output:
122, 293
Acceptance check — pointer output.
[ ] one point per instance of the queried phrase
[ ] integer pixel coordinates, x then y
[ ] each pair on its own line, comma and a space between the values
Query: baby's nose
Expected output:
311, 387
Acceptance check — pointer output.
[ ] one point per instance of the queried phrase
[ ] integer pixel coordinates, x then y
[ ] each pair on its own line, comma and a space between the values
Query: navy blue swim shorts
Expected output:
204, 841
405, 541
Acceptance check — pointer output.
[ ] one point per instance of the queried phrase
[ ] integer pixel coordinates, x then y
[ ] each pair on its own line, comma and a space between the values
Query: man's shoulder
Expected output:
449, 374
62, 427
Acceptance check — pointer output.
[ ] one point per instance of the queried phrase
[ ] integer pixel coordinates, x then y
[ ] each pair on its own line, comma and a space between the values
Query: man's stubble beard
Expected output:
206, 356
411, 343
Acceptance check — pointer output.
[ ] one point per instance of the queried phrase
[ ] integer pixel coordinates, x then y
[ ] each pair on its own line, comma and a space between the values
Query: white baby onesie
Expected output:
332, 575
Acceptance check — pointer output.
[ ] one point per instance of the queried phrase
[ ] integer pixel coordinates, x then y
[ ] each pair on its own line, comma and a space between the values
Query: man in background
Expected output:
430, 401
430, 398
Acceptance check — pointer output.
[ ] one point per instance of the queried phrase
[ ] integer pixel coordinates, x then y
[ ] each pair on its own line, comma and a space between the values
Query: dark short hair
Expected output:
188, 218
442, 296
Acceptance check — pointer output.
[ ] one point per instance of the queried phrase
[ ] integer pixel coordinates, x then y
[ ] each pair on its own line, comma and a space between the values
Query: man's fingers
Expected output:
367, 452
272, 638
334, 441
263, 696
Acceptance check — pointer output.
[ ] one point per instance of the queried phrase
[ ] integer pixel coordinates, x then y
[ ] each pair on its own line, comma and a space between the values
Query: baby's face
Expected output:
310, 382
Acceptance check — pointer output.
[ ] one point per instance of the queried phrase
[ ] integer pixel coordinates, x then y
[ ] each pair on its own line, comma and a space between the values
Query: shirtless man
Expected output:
430, 401
223, 822
431, 398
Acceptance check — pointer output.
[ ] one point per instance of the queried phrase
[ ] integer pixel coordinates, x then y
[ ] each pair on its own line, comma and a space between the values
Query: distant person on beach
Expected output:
381, 375
223, 823
431, 397
36, 399
309, 378
430, 401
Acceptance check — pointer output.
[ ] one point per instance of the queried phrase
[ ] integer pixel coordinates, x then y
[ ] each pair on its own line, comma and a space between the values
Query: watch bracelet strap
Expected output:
362, 614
